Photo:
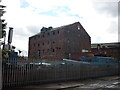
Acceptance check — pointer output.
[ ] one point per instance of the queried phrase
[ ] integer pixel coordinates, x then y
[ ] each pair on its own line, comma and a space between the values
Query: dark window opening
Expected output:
58, 48
38, 45
53, 50
58, 32
53, 42
39, 36
103, 46
43, 35
68, 40
29, 52
53, 32
47, 50
34, 45
43, 51
48, 33
43, 43
39, 52
34, 38
68, 31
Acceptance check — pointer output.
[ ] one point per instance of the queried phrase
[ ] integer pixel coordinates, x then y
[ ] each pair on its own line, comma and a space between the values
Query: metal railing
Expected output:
28, 72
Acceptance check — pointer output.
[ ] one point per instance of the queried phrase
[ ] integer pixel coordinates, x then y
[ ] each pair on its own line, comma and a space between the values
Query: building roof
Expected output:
53, 29
60, 28
113, 44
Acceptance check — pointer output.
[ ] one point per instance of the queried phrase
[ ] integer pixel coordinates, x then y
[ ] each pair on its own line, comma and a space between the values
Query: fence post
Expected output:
0, 68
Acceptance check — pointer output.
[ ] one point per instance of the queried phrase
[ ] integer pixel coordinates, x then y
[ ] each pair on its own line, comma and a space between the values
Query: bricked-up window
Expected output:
48, 42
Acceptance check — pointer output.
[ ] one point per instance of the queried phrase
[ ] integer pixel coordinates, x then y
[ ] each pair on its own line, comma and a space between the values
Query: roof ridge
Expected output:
66, 25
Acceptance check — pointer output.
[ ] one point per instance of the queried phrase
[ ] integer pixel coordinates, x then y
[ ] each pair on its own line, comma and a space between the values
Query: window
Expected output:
53, 32
53, 42
38, 44
58, 32
43, 43
43, 51
48, 33
39, 36
43, 35
34, 38
68, 31
38, 52
34, 44
78, 27
58, 48
84, 50
68, 40
47, 50
53, 50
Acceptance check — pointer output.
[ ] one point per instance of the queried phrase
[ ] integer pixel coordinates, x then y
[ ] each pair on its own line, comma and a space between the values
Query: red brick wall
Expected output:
59, 45
51, 44
76, 40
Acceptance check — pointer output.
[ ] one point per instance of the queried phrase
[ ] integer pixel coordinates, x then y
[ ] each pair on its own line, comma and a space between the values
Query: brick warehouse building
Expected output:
67, 41
108, 49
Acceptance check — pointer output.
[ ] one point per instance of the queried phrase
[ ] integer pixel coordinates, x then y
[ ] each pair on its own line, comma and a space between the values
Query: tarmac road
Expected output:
112, 82
103, 83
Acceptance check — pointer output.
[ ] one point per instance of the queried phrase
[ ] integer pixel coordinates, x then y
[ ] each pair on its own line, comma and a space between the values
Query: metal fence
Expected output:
28, 72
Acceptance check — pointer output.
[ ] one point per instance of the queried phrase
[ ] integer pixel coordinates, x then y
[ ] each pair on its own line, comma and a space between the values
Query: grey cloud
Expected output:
113, 29
26, 31
109, 8
19, 31
33, 29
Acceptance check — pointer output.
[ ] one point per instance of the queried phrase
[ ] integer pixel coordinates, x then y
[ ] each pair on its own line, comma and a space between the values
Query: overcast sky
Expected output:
27, 17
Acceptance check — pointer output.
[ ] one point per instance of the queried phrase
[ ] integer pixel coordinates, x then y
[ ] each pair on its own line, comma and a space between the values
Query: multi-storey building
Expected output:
67, 41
